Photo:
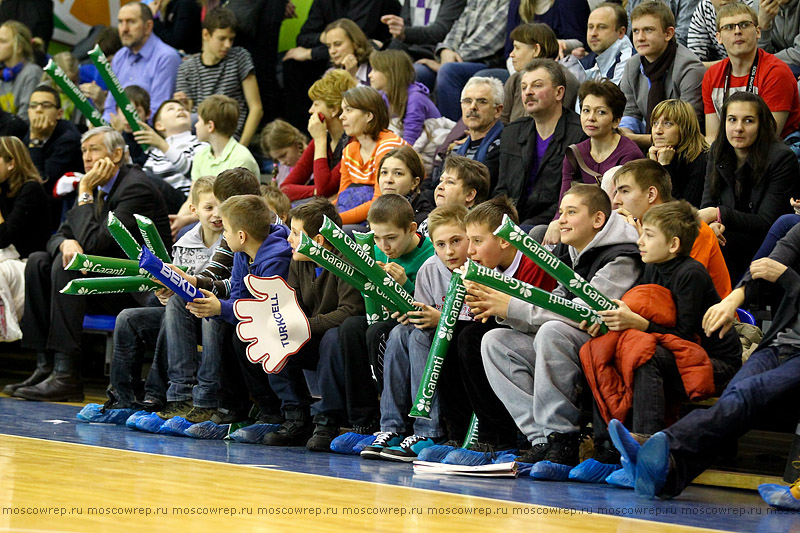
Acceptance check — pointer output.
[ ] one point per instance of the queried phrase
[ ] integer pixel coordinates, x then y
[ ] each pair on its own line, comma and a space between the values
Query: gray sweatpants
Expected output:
537, 376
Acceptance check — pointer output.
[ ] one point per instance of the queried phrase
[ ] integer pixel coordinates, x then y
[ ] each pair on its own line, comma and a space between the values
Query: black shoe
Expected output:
44, 367
369, 429
604, 452
56, 388
227, 416
563, 448
324, 432
535, 454
294, 432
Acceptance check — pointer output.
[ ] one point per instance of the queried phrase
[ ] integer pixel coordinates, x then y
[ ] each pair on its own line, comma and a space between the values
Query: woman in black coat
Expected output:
751, 177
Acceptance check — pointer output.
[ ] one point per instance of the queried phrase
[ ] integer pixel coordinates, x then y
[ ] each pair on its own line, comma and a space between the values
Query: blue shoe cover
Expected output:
546, 470
130, 423
778, 496
464, 457
363, 443
252, 434
625, 444
591, 471
621, 478
151, 423
93, 412
652, 466
207, 430
346, 442
436, 453
175, 426
89, 411
505, 457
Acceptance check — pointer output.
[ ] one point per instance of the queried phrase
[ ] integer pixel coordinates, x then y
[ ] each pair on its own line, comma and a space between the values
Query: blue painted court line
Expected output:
728, 509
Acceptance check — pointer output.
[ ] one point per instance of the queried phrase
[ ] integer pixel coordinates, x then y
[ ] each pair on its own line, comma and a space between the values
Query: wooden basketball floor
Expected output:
57, 474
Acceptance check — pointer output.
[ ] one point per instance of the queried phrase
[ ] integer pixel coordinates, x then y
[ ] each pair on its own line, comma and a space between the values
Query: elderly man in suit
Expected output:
53, 322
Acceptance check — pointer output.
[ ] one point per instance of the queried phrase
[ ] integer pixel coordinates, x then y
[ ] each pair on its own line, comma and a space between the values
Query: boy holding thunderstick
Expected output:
537, 362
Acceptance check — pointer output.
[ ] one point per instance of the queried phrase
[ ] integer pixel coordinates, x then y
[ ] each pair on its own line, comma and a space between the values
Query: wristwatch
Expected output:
34, 143
85, 198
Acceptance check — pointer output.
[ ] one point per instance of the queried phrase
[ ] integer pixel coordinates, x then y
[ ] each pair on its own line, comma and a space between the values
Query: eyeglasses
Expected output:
743, 25
45, 105
480, 101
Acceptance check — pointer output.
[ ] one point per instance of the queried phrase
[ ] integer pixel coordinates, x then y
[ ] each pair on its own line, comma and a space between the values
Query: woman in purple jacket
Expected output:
409, 103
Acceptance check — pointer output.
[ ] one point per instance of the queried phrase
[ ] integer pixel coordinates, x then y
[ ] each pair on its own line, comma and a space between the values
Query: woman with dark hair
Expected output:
602, 107
680, 148
751, 177
400, 172
349, 48
531, 41
365, 119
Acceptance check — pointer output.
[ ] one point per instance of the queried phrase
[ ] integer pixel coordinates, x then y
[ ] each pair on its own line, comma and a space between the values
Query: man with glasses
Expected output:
532, 148
54, 143
751, 69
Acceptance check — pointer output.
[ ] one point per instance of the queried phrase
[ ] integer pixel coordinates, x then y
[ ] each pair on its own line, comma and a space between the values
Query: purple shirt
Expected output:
541, 148
626, 150
154, 69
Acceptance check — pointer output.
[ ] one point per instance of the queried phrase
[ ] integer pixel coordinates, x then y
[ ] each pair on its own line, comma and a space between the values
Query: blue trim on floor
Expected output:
697, 506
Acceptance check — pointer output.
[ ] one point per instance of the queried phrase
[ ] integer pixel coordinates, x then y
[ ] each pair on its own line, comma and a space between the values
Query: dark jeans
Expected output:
252, 375
777, 232
54, 321
192, 376
135, 331
766, 382
361, 356
495, 424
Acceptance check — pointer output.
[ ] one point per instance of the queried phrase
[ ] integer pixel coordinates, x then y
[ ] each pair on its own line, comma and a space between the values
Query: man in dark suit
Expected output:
54, 143
53, 322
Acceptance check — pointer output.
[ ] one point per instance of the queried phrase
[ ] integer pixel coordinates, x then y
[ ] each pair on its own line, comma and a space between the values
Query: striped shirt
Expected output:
200, 81
216, 277
175, 166
355, 171
480, 32
703, 30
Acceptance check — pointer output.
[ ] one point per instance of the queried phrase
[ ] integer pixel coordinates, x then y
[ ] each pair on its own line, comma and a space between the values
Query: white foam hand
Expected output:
272, 322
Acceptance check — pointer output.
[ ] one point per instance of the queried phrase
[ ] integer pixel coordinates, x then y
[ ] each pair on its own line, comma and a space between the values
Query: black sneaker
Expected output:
604, 452
224, 416
383, 439
174, 409
295, 431
320, 441
369, 429
563, 448
535, 454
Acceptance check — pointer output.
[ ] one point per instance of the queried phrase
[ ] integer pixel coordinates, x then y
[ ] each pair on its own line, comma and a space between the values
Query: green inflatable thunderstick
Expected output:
554, 266
453, 302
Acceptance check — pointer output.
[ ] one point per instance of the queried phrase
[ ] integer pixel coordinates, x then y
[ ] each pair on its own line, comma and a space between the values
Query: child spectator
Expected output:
348, 48
751, 177
277, 202
409, 345
188, 384
317, 172
327, 301
498, 430
21, 74
140, 99
216, 120
668, 233
463, 182
171, 152
641, 185
401, 251
401, 172
679, 146
260, 249
365, 119
222, 69
284, 144
409, 101
138, 329
599, 246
